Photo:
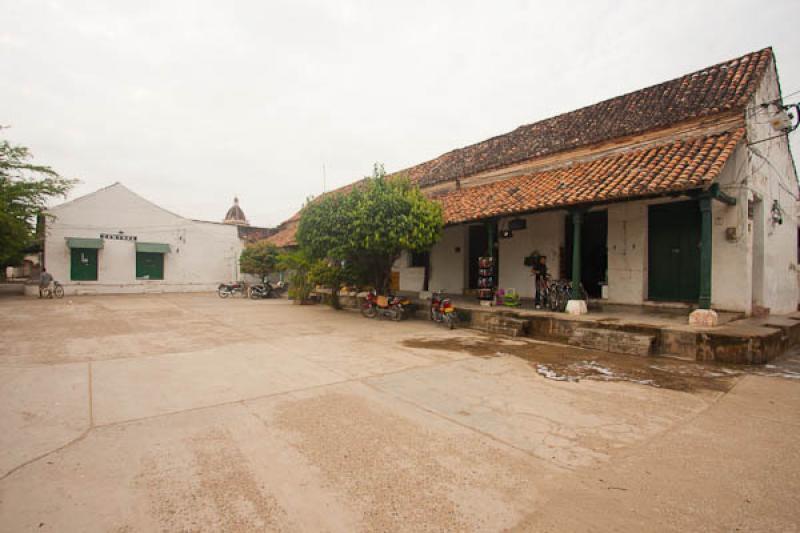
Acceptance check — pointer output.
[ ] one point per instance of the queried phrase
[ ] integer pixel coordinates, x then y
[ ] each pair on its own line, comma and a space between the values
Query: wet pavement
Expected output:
568, 363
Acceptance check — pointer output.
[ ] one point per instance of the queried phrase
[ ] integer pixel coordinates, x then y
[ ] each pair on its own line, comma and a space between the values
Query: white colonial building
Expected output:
115, 241
682, 194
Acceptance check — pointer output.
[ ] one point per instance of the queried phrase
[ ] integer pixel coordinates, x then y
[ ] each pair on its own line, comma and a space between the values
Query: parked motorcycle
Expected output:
231, 289
442, 310
267, 290
393, 307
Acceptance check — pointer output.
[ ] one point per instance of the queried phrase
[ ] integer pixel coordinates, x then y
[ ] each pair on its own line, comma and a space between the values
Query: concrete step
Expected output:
505, 330
611, 340
507, 325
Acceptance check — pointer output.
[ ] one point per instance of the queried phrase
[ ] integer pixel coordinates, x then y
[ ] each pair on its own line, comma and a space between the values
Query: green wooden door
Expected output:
83, 264
674, 252
149, 265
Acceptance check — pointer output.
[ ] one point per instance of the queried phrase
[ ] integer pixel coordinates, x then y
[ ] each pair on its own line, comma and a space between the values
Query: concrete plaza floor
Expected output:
192, 413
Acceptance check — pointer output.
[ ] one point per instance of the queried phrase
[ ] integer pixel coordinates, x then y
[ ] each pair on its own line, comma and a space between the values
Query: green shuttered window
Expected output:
83, 264
149, 265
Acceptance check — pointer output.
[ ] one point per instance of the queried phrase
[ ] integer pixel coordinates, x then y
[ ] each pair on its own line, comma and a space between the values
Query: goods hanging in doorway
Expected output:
486, 278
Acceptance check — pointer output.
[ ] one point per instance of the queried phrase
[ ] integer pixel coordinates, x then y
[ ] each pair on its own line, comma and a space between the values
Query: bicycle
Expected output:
554, 294
57, 290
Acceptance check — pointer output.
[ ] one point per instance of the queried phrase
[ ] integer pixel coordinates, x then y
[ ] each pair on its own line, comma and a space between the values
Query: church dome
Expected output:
235, 215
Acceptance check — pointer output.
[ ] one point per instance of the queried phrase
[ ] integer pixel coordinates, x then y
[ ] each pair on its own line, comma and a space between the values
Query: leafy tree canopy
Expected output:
25, 189
368, 226
298, 265
259, 258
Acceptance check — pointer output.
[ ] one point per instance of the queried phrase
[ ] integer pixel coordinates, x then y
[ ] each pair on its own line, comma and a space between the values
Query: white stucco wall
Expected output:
202, 254
545, 234
411, 278
775, 283
731, 259
627, 252
448, 261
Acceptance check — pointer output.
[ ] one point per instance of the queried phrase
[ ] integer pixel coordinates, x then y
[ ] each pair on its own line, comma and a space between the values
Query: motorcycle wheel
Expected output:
223, 293
451, 320
59, 291
369, 311
253, 294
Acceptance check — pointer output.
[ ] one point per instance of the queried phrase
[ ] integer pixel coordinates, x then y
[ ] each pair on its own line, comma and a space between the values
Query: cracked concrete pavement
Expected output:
191, 413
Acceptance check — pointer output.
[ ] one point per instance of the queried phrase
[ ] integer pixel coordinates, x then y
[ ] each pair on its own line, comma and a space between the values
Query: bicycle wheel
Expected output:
58, 291
553, 297
566, 296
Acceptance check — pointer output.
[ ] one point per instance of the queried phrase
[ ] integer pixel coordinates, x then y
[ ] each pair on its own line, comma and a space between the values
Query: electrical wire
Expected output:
781, 177
762, 105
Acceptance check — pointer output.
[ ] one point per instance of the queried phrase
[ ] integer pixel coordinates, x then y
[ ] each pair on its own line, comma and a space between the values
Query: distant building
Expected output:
115, 241
235, 215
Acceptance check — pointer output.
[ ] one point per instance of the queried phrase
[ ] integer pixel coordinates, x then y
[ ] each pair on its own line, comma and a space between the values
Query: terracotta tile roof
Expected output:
723, 87
672, 167
254, 233
286, 231
675, 166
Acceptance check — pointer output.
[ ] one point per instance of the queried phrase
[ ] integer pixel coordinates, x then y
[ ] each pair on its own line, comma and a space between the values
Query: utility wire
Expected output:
793, 194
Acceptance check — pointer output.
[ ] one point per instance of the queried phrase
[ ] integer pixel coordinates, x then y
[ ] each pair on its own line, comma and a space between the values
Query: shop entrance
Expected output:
479, 247
594, 251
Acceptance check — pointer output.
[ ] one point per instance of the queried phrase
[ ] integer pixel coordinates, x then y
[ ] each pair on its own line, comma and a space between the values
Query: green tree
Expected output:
369, 226
259, 258
25, 189
297, 265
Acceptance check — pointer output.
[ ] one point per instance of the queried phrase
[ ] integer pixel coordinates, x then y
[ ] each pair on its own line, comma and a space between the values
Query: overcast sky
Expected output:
189, 103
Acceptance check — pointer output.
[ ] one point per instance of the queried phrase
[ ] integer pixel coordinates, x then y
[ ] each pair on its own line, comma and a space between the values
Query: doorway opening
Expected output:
594, 251
479, 247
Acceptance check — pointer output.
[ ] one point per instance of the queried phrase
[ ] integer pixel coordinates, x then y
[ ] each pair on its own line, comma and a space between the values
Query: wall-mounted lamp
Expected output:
777, 213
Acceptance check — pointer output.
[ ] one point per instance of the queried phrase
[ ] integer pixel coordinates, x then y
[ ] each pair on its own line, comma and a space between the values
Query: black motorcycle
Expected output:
267, 290
230, 289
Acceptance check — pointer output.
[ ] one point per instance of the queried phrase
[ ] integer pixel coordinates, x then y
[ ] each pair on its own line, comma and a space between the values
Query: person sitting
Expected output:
45, 279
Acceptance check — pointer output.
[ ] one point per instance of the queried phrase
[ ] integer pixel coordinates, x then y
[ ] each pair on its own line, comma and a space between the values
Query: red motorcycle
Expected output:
393, 307
442, 310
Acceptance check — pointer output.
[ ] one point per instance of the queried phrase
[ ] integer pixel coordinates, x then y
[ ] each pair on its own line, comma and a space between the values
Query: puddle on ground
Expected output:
570, 363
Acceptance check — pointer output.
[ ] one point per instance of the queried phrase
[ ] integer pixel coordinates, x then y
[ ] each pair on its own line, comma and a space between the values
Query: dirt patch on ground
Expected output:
402, 476
220, 495
570, 363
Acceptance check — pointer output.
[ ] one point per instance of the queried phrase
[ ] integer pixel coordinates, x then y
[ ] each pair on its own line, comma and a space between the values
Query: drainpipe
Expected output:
577, 223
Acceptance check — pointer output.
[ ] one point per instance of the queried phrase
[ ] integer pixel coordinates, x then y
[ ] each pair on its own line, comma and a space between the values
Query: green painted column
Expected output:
490, 229
705, 252
577, 224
